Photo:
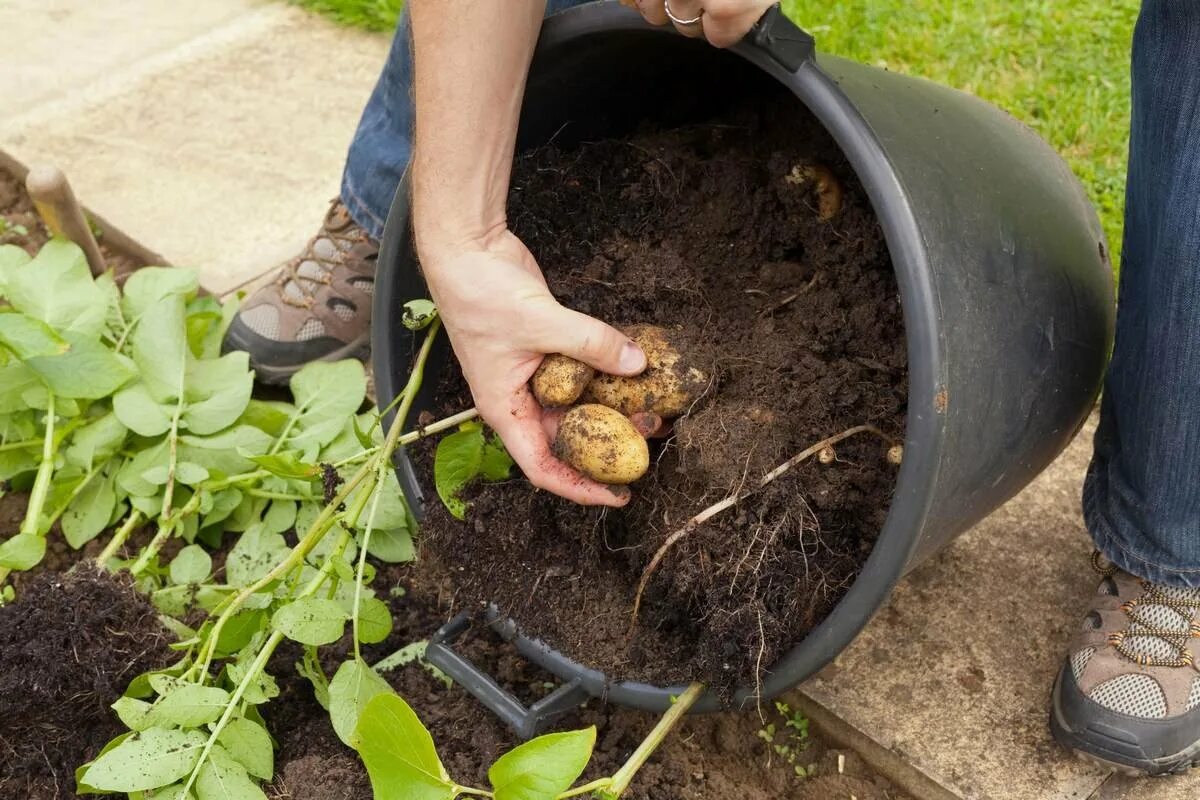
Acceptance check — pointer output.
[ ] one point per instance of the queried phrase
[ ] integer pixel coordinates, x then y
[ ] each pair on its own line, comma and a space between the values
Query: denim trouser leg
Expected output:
382, 144
1141, 499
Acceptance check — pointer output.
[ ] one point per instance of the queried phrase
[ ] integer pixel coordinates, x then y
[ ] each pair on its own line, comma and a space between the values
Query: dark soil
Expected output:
69, 646
798, 320
20, 225
714, 756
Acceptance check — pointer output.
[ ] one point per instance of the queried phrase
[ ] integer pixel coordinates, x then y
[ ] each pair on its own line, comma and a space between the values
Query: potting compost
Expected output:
709, 229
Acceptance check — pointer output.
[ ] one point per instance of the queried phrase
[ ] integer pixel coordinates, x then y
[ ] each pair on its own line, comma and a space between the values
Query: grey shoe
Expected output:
1129, 694
318, 308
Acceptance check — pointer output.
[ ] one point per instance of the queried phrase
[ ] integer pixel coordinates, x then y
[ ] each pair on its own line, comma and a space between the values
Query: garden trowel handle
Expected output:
58, 208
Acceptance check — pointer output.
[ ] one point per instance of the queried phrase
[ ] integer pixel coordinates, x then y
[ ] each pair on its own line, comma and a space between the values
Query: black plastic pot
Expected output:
1000, 259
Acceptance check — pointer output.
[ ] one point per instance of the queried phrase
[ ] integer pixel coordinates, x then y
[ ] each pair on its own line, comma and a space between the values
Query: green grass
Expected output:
1061, 66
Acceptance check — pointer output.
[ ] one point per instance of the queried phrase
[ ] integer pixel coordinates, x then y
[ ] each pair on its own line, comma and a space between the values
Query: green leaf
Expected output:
56, 287
286, 465
217, 393
173, 792
309, 666
220, 452
12, 258
138, 411
90, 511
260, 689
153, 758
456, 462
88, 370
394, 546
15, 380
311, 620
191, 565
159, 348
27, 337
23, 551
269, 416
280, 516
249, 744
132, 712
82, 788
326, 394
254, 554
542, 768
353, 687
223, 504
96, 441
496, 463
129, 476
418, 314
237, 632
148, 285
399, 753
374, 621
221, 777
189, 705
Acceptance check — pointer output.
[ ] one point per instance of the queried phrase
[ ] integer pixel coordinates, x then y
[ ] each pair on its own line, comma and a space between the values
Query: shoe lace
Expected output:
298, 289
1183, 602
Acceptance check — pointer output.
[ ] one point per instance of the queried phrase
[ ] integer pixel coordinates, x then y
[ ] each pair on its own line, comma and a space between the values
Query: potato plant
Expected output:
119, 413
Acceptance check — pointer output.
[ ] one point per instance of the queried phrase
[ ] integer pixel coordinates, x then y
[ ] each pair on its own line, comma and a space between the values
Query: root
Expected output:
733, 499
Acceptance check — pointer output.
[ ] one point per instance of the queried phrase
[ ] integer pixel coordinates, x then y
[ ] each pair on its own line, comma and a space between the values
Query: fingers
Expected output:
591, 341
686, 10
649, 424
726, 22
652, 11
525, 438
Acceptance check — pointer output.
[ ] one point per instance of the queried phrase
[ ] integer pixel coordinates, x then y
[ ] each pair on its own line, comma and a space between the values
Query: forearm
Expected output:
471, 59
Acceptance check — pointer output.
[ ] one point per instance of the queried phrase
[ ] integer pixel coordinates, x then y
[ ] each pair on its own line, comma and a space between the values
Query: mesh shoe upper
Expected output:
323, 293
1133, 655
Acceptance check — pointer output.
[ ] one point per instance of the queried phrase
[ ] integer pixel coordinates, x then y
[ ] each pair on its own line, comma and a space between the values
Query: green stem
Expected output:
79, 487
151, 549
623, 776
287, 431
362, 562
118, 539
41, 484
457, 790
596, 785
303, 498
28, 443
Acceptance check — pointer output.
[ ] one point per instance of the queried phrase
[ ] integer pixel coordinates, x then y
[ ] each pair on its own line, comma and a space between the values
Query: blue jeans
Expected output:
1141, 499
1142, 494
382, 144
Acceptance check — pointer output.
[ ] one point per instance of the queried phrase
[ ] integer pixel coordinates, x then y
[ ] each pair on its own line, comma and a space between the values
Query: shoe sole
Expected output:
1109, 752
275, 375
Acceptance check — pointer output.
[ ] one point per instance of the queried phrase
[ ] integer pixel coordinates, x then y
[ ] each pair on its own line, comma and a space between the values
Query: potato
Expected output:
602, 444
668, 387
559, 380
829, 189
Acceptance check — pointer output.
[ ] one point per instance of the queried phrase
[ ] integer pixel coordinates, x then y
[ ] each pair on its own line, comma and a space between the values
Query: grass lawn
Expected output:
1062, 66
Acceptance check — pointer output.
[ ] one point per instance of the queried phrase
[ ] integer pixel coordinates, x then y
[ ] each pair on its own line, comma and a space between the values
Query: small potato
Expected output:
559, 380
602, 444
668, 387
829, 189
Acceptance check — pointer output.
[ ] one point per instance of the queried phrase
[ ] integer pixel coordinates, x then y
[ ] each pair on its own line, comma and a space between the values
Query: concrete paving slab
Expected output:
1118, 787
954, 674
55, 47
223, 160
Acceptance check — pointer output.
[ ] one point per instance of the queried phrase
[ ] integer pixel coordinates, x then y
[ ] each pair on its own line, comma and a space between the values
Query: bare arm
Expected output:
471, 62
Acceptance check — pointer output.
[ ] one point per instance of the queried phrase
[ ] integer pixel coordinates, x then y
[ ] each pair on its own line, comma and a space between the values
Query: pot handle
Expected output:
783, 40
526, 722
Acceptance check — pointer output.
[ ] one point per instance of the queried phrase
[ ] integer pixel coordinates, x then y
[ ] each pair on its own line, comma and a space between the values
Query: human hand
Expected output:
722, 22
502, 320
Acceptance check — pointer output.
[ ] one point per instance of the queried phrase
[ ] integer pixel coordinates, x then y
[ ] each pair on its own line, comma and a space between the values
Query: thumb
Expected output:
591, 341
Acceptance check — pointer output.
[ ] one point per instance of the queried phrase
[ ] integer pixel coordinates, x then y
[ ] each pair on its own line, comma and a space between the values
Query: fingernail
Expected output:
632, 358
620, 492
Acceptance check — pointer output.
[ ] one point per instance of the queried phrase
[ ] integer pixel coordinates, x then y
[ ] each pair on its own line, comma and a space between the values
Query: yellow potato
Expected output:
602, 444
559, 380
829, 189
668, 387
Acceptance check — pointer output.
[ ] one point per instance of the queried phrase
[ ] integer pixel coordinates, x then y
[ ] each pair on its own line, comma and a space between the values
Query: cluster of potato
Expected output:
596, 435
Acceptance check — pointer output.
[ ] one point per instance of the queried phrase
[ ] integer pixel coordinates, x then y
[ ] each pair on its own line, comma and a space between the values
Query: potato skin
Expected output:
602, 444
560, 380
668, 387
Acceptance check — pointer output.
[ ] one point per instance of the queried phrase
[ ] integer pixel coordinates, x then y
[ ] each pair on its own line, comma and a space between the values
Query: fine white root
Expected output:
733, 499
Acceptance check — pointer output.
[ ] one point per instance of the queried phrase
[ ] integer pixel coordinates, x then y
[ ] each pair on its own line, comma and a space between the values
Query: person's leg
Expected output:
320, 305
1130, 692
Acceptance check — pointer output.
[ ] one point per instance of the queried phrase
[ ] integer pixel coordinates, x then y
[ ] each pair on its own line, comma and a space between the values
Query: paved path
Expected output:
216, 135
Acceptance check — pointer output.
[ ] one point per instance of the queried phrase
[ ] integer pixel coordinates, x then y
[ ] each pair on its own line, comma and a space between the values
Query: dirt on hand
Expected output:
711, 230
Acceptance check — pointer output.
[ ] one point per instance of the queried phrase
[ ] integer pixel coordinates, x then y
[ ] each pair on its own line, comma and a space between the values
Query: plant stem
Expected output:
28, 443
151, 549
303, 498
41, 484
456, 790
623, 776
119, 538
596, 785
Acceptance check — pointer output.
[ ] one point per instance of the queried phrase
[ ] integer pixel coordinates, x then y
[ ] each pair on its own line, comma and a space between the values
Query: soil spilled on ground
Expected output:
69, 646
712, 230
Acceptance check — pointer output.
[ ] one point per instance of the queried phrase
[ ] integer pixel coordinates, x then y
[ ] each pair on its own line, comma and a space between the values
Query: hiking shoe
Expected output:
318, 308
1129, 695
